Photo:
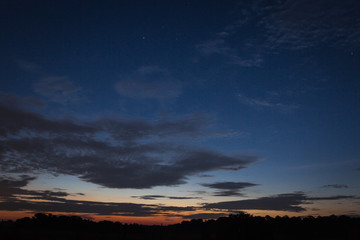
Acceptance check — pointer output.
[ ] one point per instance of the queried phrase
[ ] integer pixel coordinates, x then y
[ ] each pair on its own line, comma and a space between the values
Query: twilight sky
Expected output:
160, 111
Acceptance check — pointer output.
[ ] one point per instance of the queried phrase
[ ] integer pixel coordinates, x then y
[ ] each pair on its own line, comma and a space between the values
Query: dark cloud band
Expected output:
31, 142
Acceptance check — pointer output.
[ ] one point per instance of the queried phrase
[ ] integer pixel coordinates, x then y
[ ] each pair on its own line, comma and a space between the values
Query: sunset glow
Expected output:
156, 112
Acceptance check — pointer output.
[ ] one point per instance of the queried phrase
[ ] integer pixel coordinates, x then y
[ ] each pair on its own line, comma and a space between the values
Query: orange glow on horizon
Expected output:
13, 215
153, 220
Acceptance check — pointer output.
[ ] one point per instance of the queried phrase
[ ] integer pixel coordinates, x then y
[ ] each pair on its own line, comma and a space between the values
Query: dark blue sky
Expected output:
207, 101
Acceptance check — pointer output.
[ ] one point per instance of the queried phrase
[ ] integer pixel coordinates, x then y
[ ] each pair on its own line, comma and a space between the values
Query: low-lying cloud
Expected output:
335, 186
31, 142
292, 202
15, 197
229, 188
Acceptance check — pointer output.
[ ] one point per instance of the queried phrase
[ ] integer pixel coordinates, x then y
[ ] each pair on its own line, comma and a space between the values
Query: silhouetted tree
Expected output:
239, 226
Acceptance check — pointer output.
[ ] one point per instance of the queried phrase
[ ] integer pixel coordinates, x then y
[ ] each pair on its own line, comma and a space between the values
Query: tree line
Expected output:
239, 226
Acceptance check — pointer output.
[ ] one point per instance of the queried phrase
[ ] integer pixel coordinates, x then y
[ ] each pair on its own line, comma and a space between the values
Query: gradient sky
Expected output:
160, 111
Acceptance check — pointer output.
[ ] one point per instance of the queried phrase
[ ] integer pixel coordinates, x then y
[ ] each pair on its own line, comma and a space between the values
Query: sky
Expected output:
155, 112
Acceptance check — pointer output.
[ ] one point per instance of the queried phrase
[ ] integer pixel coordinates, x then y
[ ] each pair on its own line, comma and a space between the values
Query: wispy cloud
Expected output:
141, 89
20, 102
29, 66
265, 27
53, 88
335, 186
58, 89
151, 69
302, 24
214, 46
221, 45
252, 61
149, 82
265, 103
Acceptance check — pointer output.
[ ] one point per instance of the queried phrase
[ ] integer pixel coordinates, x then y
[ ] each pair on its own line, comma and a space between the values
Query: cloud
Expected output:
264, 103
139, 89
205, 215
205, 175
229, 185
229, 188
228, 193
11, 188
253, 61
265, 27
28, 66
15, 198
149, 82
220, 47
20, 102
16, 121
335, 186
214, 46
150, 70
338, 197
145, 172
283, 202
302, 24
58, 89
30, 143
237, 52
155, 197
73, 206
135, 129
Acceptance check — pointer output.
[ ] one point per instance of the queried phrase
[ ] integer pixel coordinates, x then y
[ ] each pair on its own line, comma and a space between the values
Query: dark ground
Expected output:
241, 226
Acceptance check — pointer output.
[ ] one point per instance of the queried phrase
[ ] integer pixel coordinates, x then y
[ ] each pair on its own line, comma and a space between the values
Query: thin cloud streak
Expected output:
291, 202
262, 103
229, 188
156, 197
335, 186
